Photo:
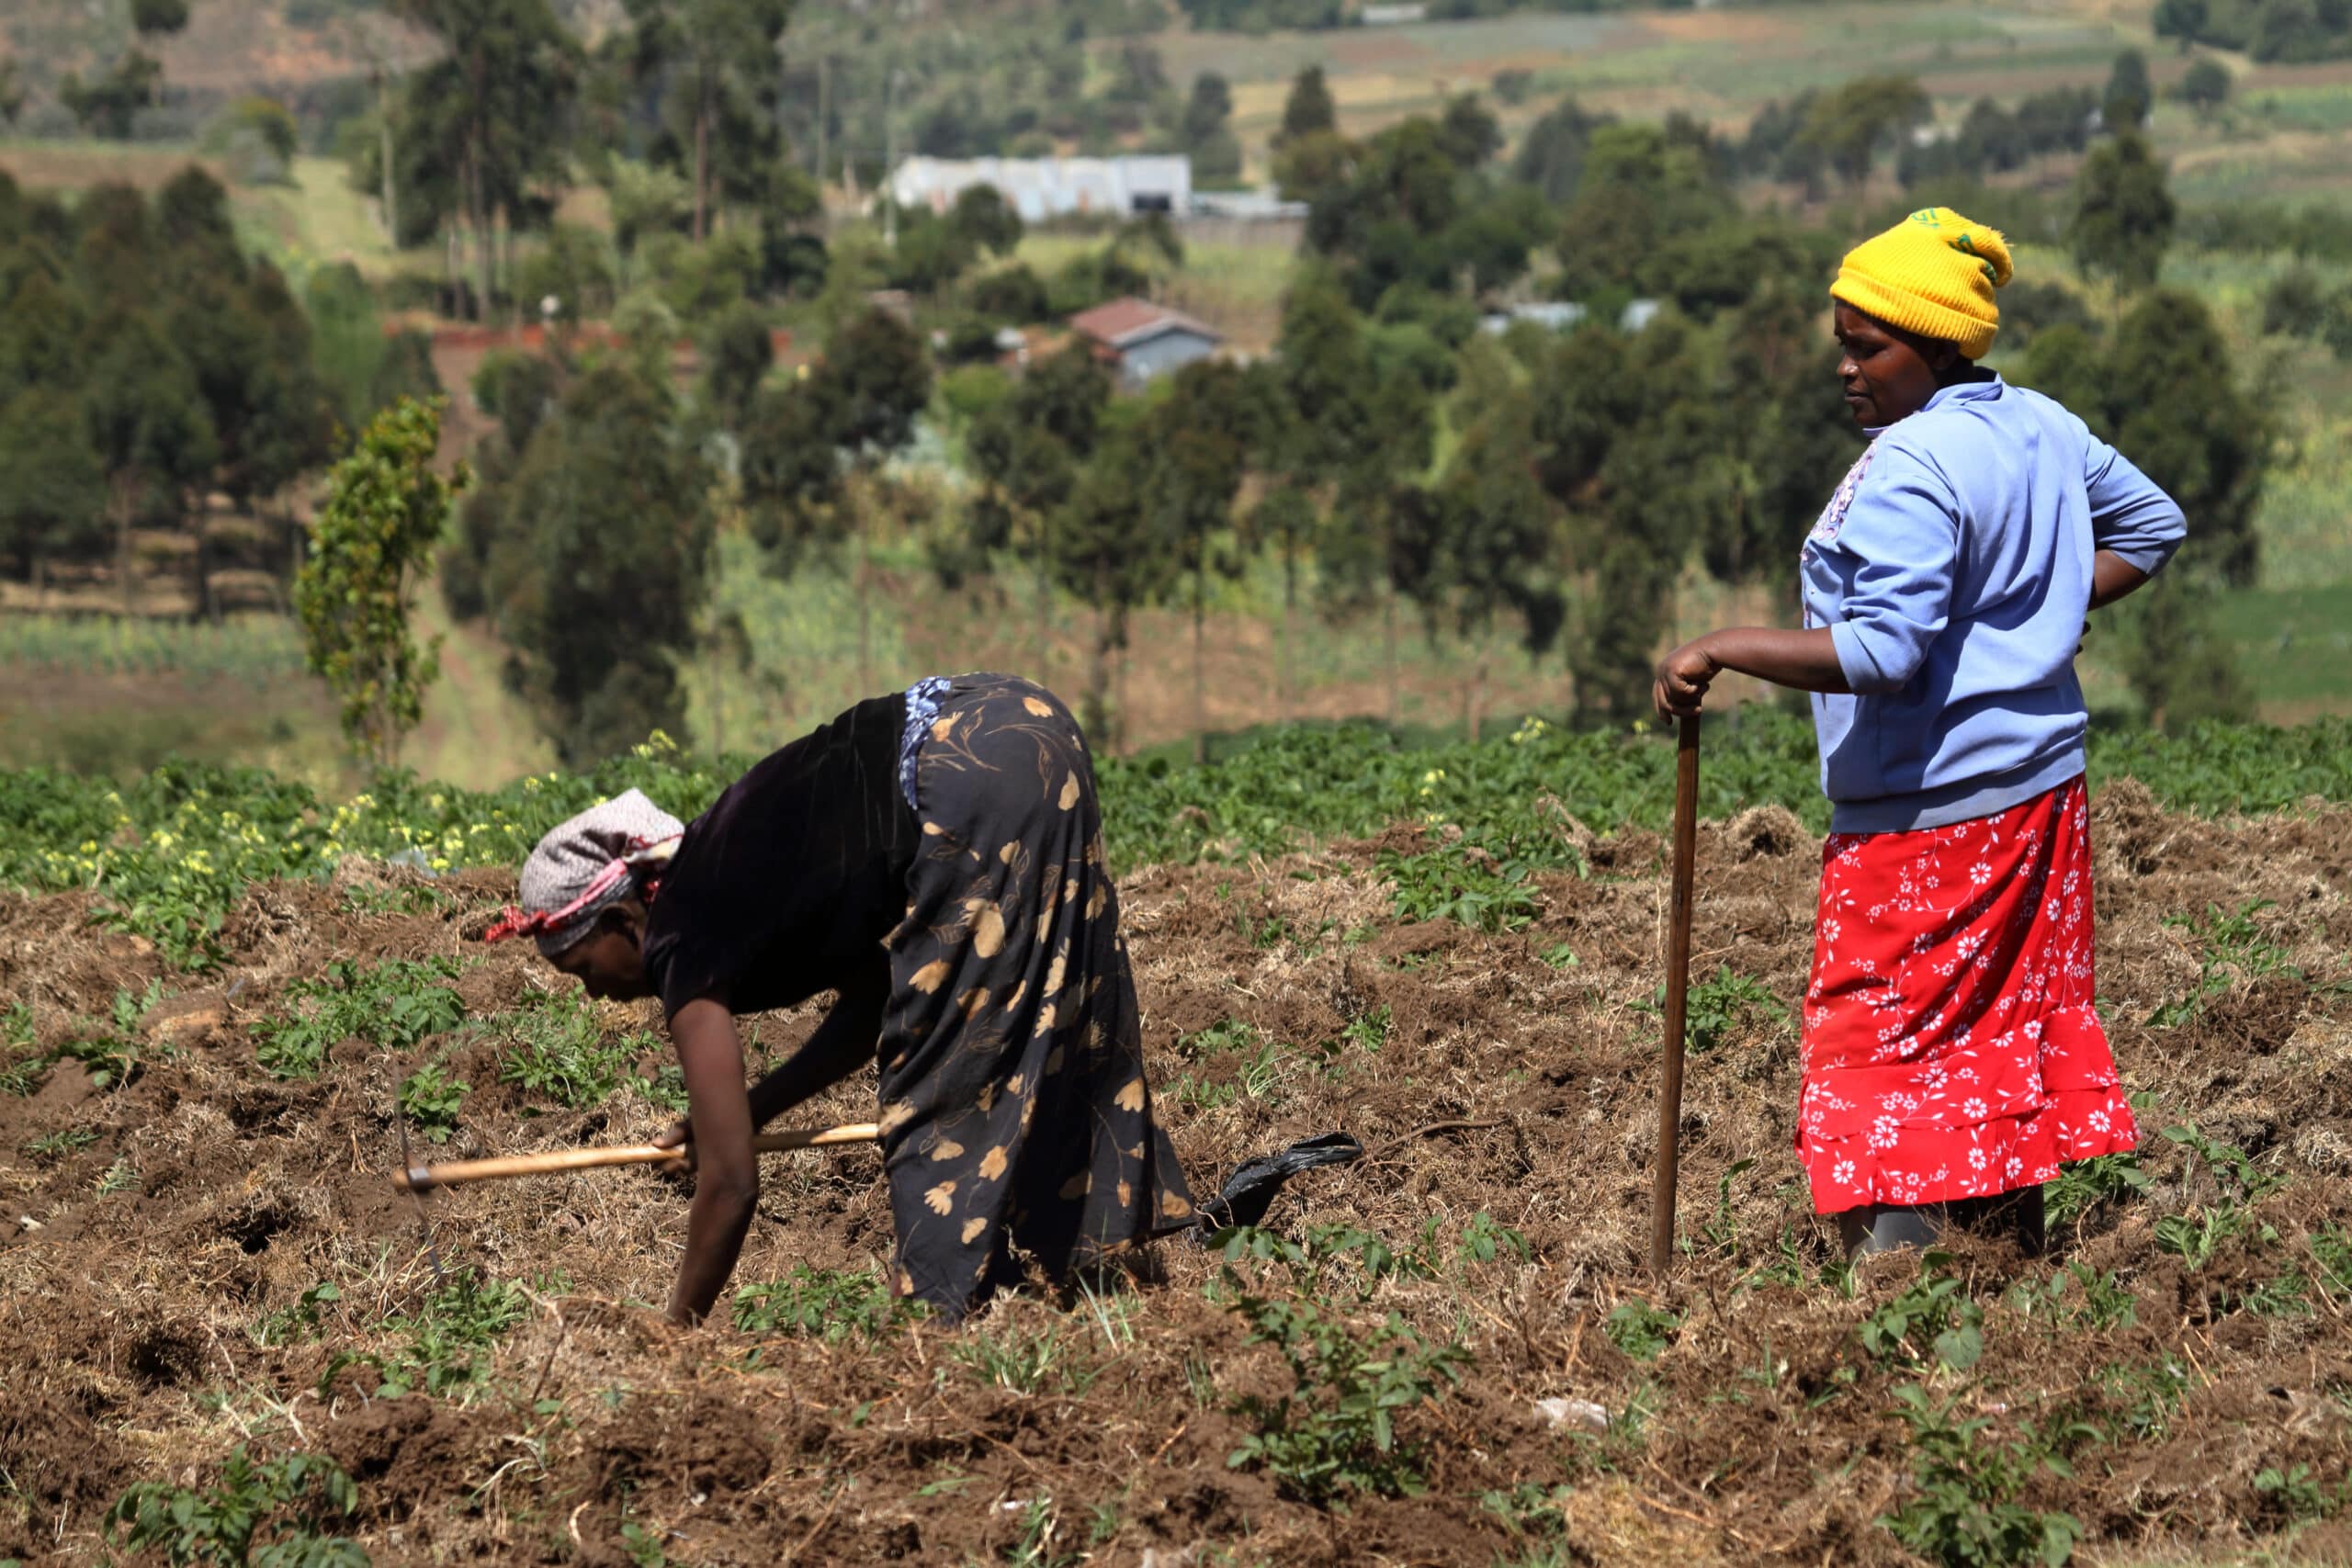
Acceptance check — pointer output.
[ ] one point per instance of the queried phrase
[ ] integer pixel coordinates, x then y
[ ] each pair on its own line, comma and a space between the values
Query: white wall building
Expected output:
1039, 188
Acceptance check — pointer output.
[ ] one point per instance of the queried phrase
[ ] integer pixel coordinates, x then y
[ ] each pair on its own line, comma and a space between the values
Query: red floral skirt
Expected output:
1951, 1046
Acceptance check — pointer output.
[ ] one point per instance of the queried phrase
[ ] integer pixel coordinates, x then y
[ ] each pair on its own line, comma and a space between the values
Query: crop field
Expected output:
224, 1335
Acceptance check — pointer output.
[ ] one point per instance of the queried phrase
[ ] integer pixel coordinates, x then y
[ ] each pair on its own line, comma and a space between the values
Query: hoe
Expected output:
452, 1173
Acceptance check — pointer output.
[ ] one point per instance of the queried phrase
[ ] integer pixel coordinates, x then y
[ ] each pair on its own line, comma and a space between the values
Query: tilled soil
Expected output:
1506, 1075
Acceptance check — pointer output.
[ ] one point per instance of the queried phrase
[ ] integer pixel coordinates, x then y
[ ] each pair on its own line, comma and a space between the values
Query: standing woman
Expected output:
1953, 1055
936, 859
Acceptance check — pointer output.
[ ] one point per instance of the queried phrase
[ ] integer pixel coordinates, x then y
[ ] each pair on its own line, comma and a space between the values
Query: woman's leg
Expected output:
1883, 1227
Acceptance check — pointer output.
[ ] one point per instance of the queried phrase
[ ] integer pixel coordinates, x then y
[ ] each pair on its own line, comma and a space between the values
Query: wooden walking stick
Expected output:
1678, 992
424, 1178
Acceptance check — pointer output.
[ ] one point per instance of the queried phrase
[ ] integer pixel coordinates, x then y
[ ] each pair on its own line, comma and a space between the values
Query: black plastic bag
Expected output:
1251, 1190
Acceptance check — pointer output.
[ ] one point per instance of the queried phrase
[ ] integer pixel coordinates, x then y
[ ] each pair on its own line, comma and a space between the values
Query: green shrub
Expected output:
271, 1513
1964, 1513
394, 1005
1933, 1316
430, 1098
1641, 1330
559, 1052
1717, 1008
2195, 1235
2231, 948
827, 1304
1461, 882
444, 1344
2086, 1184
1334, 1432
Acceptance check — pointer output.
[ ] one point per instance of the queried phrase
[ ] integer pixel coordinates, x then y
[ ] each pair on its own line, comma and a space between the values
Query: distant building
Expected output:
1559, 315
1389, 16
1039, 188
1263, 205
1145, 340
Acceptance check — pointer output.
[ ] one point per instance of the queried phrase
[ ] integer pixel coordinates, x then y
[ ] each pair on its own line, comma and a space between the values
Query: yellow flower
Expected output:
441, 862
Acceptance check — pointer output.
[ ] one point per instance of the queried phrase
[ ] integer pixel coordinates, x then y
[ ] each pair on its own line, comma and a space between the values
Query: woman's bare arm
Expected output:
2112, 577
1806, 660
727, 1180
842, 1044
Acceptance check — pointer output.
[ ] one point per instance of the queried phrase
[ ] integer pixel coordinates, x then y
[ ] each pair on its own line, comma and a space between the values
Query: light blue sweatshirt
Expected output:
1954, 570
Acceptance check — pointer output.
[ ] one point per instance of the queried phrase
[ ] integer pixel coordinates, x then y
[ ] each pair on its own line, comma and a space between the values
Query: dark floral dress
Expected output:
1014, 1107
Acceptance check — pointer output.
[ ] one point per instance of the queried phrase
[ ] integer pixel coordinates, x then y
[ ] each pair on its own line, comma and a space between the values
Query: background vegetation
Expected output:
1512, 525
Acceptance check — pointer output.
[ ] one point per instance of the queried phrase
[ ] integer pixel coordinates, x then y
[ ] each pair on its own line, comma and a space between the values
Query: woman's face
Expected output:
608, 962
1888, 373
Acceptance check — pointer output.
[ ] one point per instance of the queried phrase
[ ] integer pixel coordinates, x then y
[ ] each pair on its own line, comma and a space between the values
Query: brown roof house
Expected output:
1145, 340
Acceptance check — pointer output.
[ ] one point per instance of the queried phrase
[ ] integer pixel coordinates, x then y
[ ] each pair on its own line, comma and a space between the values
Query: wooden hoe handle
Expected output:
423, 1178
1678, 992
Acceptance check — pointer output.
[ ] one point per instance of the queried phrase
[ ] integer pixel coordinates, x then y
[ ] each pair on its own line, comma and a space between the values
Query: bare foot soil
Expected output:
199, 1256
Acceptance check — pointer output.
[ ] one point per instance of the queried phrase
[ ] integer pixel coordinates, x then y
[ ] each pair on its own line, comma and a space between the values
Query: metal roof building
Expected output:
1038, 188
1145, 340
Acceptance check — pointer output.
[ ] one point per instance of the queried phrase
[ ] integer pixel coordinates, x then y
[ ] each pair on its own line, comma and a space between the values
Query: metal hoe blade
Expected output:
416, 1196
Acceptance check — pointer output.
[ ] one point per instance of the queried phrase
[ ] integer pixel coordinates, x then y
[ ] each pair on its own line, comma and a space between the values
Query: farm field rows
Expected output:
207, 1283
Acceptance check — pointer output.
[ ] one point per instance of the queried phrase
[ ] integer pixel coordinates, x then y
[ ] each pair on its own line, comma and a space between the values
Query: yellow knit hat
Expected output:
1932, 274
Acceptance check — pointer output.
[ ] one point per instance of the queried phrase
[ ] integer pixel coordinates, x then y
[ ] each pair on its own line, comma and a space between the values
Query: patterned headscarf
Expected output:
586, 866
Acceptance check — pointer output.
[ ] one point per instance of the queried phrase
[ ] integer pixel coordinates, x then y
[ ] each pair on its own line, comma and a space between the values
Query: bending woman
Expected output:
1953, 1055
935, 858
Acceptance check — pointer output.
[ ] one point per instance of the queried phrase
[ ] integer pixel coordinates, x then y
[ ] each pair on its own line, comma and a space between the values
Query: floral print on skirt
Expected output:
1951, 1046
1014, 1108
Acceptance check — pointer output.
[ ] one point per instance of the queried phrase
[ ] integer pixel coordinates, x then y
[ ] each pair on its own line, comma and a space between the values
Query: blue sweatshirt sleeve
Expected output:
1902, 536
2130, 515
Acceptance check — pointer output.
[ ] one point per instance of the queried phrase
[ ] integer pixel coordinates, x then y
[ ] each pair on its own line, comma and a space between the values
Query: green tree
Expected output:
2182, 20
374, 541
1788, 437
13, 92
984, 218
1639, 191
2123, 213
792, 469
738, 353
1197, 442
1028, 453
1631, 443
1100, 548
154, 18
1284, 521
149, 427
2166, 395
53, 486
1309, 110
877, 376
1206, 132
574, 267
107, 106
711, 59
2205, 85
1470, 132
601, 572
2125, 103
1849, 126
1495, 546
1551, 155
2295, 304
487, 122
